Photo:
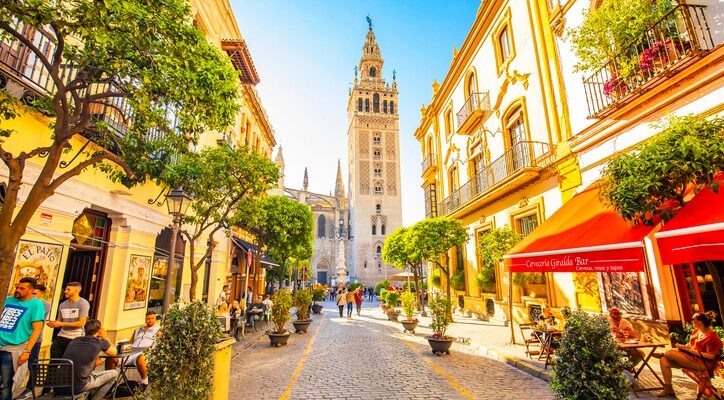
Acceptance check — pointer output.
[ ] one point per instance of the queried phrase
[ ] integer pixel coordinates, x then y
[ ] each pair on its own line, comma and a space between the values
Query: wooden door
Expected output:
84, 267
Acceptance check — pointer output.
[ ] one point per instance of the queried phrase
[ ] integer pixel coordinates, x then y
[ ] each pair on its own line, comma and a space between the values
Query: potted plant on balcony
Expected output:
439, 341
615, 87
318, 295
409, 302
280, 315
391, 299
302, 299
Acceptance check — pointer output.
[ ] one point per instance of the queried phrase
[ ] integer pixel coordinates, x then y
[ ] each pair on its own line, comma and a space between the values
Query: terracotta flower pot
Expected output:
409, 326
278, 339
439, 345
392, 315
317, 308
301, 326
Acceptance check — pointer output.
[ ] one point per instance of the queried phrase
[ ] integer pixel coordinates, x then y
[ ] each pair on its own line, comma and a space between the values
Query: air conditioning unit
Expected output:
3, 81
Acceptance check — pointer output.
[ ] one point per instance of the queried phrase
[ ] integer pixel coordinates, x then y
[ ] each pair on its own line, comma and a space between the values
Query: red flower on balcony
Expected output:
657, 52
615, 86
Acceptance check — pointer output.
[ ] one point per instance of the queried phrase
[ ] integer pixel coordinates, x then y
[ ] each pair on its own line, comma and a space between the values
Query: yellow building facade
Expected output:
508, 139
113, 239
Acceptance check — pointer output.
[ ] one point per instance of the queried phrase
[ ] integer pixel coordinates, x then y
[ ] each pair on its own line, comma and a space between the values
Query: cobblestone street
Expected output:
369, 357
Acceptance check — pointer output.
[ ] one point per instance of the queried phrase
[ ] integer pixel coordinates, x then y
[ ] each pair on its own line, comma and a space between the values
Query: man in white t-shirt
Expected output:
72, 316
144, 337
222, 296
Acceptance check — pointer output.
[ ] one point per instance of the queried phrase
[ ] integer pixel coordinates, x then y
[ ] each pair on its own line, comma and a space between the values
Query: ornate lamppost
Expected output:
341, 267
178, 202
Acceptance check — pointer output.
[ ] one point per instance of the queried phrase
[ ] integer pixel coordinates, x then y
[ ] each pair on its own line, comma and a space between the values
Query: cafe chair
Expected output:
703, 382
530, 339
54, 374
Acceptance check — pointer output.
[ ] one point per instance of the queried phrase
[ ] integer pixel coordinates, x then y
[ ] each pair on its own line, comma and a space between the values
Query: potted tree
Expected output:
439, 341
280, 315
383, 297
391, 299
302, 300
409, 301
317, 295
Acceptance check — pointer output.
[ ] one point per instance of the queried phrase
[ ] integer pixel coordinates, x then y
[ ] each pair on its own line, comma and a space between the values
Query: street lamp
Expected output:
178, 202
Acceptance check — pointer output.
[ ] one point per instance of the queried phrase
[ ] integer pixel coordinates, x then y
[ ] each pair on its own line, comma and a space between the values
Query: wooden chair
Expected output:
703, 382
529, 339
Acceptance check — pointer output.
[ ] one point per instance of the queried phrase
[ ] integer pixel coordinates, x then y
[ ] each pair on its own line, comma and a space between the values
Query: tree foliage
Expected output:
649, 184
283, 226
434, 237
144, 60
302, 300
611, 28
282, 303
181, 364
223, 182
400, 252
492, 246
589, 365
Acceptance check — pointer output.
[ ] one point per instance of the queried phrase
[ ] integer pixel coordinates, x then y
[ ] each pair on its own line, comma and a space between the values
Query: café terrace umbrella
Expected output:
402, 277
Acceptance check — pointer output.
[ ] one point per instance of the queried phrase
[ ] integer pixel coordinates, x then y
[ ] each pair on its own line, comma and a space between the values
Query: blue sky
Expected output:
305, 53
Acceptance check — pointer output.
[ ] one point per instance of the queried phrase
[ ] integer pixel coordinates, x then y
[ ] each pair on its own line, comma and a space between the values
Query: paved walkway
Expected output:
369, 357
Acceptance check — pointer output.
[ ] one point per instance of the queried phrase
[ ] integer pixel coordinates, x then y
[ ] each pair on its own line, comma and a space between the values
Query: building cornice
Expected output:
252, 98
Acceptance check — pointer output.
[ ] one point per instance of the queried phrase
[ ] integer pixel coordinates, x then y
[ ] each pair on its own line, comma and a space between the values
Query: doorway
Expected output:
87, 256
701, 288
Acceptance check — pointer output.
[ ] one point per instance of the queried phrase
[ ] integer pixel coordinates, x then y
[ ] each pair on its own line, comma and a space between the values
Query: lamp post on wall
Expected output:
178, 202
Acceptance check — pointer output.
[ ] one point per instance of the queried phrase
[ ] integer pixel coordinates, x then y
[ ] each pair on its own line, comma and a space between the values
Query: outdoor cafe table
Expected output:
124, 356
645, 362
546, 337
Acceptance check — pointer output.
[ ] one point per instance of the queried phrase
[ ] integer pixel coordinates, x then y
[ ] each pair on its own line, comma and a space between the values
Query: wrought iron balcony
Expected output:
428, 163
522, 156
673, 43
475, 110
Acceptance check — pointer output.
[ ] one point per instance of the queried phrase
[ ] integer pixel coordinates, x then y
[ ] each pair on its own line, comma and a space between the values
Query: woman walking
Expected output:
350, 304
341, 301
358, 297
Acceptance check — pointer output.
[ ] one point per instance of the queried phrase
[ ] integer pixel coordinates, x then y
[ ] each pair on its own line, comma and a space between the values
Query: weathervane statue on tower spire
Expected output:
369, 21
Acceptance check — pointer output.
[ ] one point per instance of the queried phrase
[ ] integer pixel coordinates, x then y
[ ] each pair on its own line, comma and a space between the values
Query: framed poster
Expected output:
139, 272
40, 261
623, 290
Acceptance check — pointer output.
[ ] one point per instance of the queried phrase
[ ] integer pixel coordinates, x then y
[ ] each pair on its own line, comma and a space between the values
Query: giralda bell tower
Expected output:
374, 164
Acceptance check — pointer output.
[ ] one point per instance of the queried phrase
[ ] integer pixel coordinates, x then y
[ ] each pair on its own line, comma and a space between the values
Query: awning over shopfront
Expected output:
246, 247
696, 233
582, 236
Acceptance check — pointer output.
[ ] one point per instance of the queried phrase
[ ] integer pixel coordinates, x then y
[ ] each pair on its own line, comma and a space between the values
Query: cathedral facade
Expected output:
331, 223
374, 164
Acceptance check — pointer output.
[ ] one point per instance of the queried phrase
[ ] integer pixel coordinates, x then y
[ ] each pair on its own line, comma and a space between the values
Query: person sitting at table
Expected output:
83, 352
143, 337
700, 354
223, 312
622, 330
256, 309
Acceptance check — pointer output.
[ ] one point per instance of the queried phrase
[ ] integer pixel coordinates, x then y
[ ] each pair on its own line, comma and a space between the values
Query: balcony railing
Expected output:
31, 79
428, 162
476, 107
672, 44
517, 157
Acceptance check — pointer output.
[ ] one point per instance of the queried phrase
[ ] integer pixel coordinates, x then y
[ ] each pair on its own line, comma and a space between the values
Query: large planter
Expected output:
439, 345
278, 339
409, 325
392, 315
317, 308
301, 326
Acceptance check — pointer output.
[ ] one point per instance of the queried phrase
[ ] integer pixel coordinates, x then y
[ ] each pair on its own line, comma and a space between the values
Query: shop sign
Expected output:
46, 219
618, 260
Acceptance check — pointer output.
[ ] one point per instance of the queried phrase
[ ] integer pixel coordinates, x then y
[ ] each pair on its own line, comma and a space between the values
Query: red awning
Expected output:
696, 233
582, 236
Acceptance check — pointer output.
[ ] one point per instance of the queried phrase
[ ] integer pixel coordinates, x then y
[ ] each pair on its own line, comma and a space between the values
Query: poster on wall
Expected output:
40, 261
139, 272
623, 290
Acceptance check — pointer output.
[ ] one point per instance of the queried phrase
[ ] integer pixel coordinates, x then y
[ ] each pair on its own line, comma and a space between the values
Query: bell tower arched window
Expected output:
378, 188
359, 104
376, 102
321, 226
367, 105
374, 229
382, 230
378, 250
384, 106
378, 209
373, 72
392, 107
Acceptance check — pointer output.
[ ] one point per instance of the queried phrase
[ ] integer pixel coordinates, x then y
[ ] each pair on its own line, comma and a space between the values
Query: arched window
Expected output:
430, 148
378, 171
376, 102
448, 123
516, 136
374, 229
378, 188
373, 72
321, 226
392, 107
382, 229
367, 105
377, 154
359, 104
378, 209
384, 106
377, 139
378, 250
471, 85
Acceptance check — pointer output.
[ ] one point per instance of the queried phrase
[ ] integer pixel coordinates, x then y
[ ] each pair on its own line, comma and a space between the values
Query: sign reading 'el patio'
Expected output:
614, 260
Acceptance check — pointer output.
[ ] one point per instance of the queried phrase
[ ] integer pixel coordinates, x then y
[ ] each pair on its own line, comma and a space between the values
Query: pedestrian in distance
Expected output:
358, 297
341, 302
371, 294
350, 303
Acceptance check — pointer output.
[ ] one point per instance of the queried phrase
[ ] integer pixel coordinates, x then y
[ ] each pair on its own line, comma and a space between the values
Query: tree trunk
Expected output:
447, 285
7, 255
417, 288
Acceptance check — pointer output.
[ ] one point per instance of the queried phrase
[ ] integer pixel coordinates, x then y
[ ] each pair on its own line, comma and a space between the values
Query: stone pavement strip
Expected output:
369, 357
